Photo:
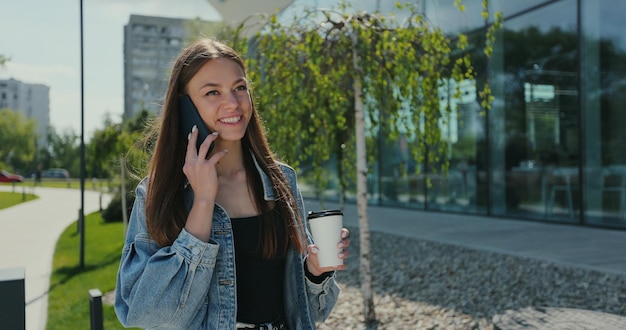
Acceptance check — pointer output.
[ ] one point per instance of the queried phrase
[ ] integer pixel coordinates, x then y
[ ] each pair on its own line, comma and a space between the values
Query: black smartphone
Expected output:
189, 116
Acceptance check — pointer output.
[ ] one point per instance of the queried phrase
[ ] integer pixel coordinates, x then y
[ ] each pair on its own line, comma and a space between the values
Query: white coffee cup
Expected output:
326, 228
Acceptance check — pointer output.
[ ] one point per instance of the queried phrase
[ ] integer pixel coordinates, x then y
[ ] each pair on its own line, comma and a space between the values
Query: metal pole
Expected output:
95, 309
82, 144
123, 189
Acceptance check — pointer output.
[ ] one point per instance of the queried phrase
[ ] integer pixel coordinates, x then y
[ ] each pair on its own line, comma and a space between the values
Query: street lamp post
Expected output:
81, 213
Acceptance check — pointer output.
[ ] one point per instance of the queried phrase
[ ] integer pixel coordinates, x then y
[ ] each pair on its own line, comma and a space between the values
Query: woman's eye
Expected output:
211, 93
241, 88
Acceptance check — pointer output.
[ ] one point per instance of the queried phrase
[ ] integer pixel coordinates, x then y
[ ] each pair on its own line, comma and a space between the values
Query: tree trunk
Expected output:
361, 186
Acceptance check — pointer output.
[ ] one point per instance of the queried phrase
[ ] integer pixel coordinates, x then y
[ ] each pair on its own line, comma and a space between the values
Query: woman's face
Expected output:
220, 92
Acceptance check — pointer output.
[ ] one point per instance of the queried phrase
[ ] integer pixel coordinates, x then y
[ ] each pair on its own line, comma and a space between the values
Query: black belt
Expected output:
276, 325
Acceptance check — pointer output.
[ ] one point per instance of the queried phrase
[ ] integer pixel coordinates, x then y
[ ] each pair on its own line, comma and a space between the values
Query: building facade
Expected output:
150, 45
554, 151
551, 148
32, 100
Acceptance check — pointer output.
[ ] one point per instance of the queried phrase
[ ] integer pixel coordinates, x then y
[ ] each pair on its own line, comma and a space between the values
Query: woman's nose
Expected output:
231, 100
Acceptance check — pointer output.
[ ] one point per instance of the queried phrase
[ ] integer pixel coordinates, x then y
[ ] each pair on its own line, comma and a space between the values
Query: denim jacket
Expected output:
191, 284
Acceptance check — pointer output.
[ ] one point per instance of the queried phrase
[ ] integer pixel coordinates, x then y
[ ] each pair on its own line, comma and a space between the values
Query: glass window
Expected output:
448, 17
604, 97
537, 165
463, 188
464, 129
511, 8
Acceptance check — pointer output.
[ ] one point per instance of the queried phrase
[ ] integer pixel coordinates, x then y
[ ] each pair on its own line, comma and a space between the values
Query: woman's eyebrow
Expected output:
209, 84
242, 79
212, 84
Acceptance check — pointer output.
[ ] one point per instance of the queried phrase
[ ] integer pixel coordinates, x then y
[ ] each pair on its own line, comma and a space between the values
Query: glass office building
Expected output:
552, 147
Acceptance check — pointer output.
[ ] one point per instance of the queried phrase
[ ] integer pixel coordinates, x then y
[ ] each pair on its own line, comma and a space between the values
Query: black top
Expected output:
259, 280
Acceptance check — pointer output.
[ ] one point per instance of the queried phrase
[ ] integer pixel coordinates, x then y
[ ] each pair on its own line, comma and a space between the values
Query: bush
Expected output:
113, 211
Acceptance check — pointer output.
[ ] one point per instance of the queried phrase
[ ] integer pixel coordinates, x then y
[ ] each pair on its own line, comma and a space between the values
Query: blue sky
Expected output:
42, 40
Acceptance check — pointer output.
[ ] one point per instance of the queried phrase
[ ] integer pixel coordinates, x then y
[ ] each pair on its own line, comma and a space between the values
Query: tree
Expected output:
118, 147
18, 137
62, 151
326, 80
102, 150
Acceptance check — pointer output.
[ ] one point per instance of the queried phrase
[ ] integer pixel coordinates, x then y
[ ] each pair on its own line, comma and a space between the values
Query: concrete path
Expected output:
28, 235
580, 246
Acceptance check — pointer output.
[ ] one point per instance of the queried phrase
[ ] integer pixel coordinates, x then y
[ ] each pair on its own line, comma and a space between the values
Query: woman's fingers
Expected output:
313, 261
345, 234
206, 144
194, 154
191, 144
217, 156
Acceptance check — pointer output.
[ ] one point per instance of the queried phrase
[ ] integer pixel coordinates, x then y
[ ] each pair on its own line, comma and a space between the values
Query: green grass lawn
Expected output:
68, 300
8, 199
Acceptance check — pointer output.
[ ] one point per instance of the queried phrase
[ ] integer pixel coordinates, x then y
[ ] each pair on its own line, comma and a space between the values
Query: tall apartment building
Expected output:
32, 100
150, 46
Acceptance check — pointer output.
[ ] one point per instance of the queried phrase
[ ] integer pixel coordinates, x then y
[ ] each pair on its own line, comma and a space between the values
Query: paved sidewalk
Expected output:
585, 247
28, 236
602, 250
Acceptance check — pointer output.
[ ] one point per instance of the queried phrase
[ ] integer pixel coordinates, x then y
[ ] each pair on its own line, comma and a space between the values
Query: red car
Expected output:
8, 177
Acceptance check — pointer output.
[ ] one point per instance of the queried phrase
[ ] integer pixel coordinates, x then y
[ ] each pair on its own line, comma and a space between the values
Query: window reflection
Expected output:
541, 114
604, 96
555, 140
448, 17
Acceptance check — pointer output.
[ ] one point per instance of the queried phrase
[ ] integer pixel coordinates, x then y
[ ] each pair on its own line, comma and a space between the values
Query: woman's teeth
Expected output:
230, 120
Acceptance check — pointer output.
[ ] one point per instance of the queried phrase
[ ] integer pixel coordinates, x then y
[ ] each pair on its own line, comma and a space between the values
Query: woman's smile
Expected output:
230, 120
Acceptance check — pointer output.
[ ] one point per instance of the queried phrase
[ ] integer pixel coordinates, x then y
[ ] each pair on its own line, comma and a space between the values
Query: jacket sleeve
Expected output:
321, 297
160, 286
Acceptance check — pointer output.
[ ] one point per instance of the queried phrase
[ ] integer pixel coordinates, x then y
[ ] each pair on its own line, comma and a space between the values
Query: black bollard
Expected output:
95, 308
12, 299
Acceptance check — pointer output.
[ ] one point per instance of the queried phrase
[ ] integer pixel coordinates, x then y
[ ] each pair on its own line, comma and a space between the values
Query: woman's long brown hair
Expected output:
166, 213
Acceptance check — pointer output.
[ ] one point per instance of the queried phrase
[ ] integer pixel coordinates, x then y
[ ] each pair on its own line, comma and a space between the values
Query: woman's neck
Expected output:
232, 162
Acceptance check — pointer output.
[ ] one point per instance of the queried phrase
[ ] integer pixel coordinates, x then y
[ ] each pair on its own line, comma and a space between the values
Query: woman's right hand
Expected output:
200, 171
202, 176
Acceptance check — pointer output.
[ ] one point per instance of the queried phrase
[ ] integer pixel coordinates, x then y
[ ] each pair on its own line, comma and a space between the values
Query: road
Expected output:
28, 235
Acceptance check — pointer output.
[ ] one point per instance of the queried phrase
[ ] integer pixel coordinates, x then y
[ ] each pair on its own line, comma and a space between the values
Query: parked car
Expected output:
9, 177
55, 173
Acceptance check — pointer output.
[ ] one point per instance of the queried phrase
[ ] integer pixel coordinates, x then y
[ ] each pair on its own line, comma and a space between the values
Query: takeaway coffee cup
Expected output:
326, 230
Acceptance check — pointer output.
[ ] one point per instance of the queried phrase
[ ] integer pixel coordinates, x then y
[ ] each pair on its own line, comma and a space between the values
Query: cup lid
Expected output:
323, 213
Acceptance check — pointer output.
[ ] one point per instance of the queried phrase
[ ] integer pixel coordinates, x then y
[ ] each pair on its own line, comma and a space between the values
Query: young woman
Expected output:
218, 239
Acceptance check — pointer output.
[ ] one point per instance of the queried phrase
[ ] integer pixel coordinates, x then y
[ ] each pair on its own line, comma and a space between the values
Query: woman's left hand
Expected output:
312, 263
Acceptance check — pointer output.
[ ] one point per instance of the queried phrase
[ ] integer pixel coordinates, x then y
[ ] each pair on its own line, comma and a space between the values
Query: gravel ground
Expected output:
428, 285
